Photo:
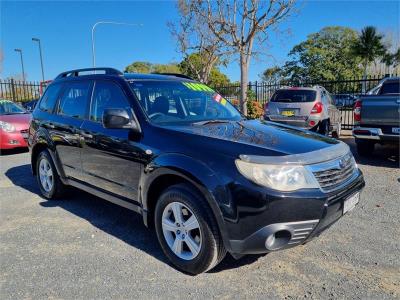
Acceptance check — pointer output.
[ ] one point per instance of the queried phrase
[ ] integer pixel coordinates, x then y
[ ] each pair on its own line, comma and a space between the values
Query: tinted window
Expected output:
294, 95
49, 98
390, 88
106, 94
74, 100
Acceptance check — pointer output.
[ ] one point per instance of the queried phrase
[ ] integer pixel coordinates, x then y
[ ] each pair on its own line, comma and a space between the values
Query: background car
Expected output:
14, 125
344, 100
30, 105
306, 107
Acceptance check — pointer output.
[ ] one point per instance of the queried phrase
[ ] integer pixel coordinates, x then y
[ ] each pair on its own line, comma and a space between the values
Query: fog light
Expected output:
13, 142
312, 123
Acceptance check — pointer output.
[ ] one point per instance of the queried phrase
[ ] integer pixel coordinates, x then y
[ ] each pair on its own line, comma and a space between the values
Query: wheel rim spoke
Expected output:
177, 246
191, 223
177, 210
193, 246
168, 225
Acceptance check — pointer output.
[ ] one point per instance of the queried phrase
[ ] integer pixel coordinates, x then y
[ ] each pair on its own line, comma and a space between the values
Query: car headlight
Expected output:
278, 177
7, 126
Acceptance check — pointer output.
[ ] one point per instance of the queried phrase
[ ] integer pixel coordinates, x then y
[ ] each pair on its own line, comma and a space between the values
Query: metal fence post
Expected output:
13, 90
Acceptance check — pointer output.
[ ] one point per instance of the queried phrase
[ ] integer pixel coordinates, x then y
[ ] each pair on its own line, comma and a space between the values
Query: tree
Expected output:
272, 74
368, 46
202, 50
193, 65
240, 26
325, 55
146, 67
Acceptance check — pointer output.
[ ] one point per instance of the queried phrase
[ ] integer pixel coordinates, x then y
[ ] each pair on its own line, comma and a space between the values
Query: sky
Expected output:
64, 28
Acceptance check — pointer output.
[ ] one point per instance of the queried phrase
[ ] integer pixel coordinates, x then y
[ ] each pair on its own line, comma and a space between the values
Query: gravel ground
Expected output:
86, 248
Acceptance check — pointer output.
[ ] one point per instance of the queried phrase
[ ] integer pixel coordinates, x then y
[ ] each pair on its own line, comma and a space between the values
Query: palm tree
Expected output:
368, 46
388, 60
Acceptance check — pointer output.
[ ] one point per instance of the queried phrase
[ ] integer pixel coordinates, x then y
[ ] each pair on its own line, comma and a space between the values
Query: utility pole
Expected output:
41, 57
22, 63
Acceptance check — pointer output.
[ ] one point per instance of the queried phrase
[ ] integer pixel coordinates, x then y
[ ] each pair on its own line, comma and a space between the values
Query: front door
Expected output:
111, 158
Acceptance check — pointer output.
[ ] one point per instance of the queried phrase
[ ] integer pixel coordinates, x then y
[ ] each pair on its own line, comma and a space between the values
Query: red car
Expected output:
14, 125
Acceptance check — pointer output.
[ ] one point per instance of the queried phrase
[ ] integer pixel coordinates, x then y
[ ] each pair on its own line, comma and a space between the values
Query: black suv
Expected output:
174, 150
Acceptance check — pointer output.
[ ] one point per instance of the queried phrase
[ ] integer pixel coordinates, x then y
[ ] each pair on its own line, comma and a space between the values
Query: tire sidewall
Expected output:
208, 252
50, 194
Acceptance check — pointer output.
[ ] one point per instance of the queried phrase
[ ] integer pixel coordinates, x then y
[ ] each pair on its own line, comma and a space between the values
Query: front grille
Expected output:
333, 174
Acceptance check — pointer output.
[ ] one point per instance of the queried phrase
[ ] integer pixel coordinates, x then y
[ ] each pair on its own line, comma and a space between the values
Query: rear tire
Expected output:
324, 127
365, 147
195, 250
48, 179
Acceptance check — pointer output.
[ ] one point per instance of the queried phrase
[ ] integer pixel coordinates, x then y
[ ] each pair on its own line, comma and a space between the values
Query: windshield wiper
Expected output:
210, 122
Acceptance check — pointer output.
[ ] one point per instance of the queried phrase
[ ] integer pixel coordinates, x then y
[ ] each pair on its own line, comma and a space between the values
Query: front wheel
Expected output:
187, 231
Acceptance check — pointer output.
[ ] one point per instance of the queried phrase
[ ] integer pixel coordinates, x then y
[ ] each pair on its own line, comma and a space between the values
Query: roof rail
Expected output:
176, 75
75, 73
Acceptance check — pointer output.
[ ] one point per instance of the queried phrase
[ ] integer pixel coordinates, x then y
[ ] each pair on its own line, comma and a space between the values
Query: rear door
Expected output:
111, 158
70, 113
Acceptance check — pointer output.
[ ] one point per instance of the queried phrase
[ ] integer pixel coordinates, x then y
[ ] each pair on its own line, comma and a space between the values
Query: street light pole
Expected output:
41, 58
22, 63
105, 22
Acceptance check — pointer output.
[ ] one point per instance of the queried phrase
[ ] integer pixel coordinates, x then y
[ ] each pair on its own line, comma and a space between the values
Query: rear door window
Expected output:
294, 95
49, 98
74, 100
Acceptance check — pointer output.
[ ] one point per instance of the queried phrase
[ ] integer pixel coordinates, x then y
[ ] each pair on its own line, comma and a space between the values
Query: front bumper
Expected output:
374, 134
11, 140
300, 231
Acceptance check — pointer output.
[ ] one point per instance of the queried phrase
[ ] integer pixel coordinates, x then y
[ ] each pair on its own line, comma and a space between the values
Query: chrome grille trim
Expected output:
334, 174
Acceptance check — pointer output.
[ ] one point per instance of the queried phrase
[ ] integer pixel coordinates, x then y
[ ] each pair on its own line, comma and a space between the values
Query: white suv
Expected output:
306, 107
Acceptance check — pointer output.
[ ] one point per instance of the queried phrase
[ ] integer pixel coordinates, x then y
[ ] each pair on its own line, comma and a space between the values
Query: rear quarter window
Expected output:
390, 88
49, 98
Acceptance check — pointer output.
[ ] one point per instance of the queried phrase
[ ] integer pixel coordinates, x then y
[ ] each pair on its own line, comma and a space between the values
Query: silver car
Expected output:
306, 107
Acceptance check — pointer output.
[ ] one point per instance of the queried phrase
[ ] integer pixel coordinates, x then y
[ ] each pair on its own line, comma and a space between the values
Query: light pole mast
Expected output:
40, 53
22, 63
93, 30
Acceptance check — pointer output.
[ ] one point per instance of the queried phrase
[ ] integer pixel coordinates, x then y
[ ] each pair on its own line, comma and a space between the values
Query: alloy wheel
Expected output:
181, 230
46, 175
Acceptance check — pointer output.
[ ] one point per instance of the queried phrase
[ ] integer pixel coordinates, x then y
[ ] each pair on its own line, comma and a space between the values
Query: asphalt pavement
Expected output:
83, 247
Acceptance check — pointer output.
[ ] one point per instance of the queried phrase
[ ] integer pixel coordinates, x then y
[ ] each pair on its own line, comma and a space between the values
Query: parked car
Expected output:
14, 124
344, 100
207, 179
377, 116
310, 108
30, 105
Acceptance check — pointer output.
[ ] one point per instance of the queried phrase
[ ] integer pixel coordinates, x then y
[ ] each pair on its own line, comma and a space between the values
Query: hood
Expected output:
20, 121
256, 137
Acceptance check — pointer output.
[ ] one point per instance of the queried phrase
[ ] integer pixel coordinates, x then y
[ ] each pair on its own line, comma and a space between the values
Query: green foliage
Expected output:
254, 109
325, 55
146, 67
194, 66
369, 45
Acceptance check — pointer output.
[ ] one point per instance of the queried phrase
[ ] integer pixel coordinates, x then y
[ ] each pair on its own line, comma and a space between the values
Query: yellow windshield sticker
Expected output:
197, 86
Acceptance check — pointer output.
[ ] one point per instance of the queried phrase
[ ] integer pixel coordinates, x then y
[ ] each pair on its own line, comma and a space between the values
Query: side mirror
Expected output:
116, 118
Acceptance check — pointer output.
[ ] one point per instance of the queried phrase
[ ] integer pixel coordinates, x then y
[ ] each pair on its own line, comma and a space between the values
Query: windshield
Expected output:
294, 95
10, 108
171, 102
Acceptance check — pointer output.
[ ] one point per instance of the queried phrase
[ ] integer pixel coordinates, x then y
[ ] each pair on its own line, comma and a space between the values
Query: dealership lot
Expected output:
83, 248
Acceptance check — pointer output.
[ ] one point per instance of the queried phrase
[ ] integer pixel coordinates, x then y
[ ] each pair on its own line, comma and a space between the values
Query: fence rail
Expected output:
20, 91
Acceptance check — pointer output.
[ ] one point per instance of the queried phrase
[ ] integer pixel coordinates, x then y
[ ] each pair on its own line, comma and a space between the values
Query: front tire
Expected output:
49, 182
187, 231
